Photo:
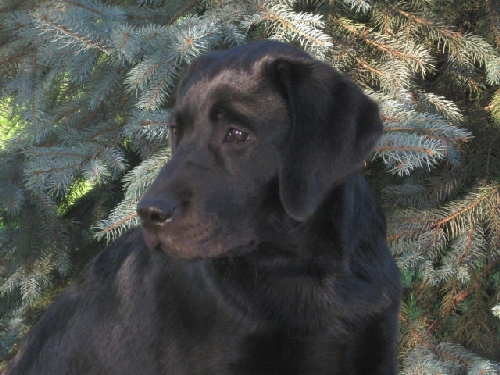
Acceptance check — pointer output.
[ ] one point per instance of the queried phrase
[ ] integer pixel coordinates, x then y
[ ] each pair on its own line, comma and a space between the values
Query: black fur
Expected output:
263, 250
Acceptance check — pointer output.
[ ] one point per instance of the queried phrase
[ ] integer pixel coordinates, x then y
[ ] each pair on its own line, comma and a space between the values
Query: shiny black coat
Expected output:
263, 250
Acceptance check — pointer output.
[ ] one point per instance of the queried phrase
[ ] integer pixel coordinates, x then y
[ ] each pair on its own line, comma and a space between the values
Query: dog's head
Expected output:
259, 130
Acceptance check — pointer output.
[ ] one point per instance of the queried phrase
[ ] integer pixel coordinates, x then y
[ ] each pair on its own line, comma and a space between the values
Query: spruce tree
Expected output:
85, 93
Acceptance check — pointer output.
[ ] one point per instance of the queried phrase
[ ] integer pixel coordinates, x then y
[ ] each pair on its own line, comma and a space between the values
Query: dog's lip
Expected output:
165, 238
180, 253
150, 238
209, 246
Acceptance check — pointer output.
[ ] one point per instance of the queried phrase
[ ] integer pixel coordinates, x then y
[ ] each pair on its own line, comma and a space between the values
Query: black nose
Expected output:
155, 212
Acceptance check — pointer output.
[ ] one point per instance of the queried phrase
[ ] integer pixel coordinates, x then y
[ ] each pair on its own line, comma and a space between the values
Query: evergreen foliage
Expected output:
87, 84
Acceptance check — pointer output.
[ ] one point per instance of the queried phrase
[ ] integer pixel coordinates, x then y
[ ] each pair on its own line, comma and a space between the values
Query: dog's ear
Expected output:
334, 128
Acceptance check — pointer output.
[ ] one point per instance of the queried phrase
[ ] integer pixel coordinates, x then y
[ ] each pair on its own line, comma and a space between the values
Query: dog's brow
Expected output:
227, 92
235, 111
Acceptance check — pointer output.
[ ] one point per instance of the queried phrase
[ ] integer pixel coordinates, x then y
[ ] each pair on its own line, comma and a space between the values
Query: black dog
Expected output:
264, 251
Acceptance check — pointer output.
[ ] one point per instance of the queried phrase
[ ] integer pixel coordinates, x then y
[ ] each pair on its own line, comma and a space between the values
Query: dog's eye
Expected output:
236, 136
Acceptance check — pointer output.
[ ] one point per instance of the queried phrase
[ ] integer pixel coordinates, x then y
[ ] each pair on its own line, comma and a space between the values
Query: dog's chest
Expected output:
259, 353
212, 330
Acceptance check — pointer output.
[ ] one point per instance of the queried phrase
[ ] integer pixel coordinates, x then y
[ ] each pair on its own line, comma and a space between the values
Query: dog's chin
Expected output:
184, 247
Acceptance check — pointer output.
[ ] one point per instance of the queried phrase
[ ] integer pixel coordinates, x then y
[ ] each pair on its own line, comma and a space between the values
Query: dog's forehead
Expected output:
241, 67
235, 79
237, 75
219, 85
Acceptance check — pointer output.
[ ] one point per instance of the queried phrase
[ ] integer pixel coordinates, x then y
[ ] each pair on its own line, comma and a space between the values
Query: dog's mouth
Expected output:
197, 239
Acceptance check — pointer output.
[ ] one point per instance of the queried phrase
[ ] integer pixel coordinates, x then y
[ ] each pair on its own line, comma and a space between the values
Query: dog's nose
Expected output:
155, 212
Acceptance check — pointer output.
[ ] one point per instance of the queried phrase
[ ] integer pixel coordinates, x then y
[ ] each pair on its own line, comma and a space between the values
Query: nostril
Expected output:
152, 215
155, 213
159, 218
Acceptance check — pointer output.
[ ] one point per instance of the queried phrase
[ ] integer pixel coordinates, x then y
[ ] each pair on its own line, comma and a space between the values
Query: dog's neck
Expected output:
319, 266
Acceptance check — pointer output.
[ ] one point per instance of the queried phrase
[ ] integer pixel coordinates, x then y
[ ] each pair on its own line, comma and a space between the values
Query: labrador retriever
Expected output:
263, 251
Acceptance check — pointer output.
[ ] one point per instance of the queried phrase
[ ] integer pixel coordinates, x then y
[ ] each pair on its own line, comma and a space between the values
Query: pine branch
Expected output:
496, 311
415, 139
362, 6
396, 49
66, 35
147, 131
446, 38
492, 22
403, 153
428, 357
156, 75
285, 25
429, 101
405, 195
453, 218
475, 207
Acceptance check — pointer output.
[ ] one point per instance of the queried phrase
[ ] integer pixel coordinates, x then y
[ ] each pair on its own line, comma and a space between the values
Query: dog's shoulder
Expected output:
119, 284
